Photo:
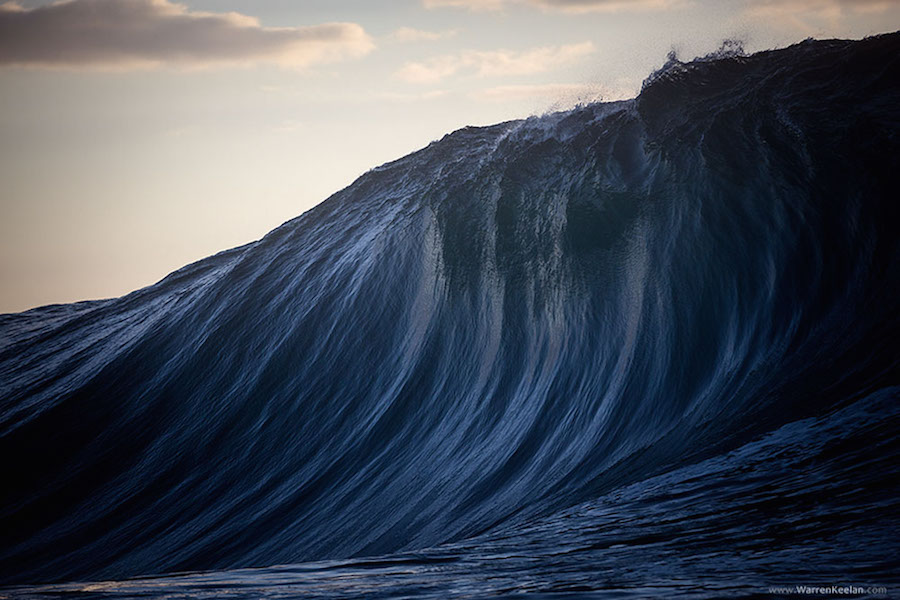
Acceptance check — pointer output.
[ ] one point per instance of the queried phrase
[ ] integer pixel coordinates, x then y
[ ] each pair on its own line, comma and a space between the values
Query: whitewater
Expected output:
645, 348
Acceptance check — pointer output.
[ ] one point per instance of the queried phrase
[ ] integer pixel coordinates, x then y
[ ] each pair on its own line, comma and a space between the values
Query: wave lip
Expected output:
513, 323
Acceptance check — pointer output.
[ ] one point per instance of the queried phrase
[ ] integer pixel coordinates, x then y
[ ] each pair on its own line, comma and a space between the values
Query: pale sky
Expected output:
137, 136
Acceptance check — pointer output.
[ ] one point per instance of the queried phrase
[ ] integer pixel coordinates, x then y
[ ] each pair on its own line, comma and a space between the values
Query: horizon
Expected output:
126, 159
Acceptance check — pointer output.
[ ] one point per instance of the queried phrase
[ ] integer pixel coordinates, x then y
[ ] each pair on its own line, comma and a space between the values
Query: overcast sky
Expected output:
137, 136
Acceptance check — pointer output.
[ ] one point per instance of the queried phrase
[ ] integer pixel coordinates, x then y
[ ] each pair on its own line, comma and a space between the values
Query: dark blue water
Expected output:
638, 349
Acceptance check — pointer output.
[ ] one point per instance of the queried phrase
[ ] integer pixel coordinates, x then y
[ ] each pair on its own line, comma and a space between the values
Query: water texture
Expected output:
637, 349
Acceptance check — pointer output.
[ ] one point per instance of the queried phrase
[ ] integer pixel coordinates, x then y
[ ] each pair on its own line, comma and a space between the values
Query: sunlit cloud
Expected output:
494, 63
124, 34
861, 6
570, 6
822, 10
809, 17
409, 34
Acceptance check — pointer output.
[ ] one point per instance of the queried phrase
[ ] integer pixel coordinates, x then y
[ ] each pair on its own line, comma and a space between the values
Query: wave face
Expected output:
667, 324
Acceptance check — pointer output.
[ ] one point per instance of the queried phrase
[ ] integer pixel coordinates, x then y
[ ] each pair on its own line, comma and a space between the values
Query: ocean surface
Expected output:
639, 349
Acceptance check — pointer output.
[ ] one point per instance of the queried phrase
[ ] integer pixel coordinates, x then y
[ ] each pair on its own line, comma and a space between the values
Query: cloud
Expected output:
807, 16
569, 6
494, 63
148, 33
408, 34
820, 8
863, 6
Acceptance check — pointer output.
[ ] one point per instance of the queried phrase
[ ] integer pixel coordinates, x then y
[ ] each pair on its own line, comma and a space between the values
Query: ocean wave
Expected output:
516, 322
